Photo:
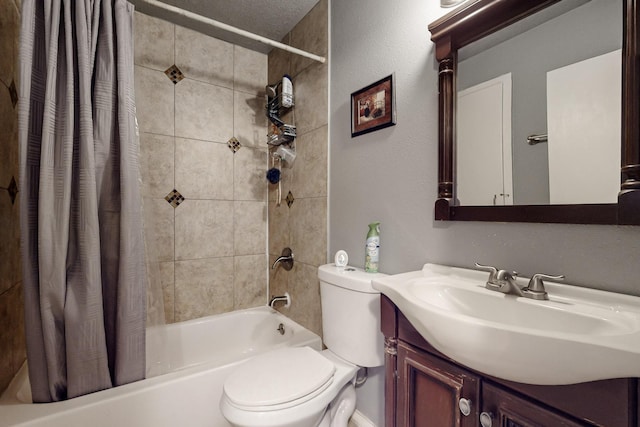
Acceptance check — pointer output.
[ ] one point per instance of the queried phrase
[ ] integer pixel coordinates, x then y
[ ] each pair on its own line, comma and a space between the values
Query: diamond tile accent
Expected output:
174, 74
289, 199
13, 93
174, 198
12, 189
234, 144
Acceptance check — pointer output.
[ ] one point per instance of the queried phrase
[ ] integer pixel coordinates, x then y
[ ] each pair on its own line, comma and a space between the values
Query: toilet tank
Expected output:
351, 315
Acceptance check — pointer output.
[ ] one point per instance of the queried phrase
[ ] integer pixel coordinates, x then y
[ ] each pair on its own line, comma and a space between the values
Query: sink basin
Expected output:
578, 335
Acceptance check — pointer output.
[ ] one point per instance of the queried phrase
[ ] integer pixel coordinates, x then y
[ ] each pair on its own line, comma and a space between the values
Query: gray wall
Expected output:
391, 175
590, 30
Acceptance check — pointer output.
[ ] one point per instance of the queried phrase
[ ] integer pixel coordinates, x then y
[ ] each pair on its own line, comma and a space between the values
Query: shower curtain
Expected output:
82, 248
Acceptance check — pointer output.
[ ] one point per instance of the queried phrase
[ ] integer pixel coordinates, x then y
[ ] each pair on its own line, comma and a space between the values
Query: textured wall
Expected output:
210, 239
12, 343
302, 225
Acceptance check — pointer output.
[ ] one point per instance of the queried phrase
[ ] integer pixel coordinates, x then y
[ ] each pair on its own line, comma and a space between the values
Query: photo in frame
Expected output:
373, 107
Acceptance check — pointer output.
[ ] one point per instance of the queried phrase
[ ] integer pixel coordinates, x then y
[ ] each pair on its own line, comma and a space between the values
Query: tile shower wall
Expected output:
200, 105
301, 223
12, 342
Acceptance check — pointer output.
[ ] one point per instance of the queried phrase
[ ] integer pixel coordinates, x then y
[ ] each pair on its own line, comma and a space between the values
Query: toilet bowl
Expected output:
291, 387
301, 387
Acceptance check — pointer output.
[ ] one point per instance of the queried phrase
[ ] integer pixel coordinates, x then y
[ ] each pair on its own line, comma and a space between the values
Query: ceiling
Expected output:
269, 18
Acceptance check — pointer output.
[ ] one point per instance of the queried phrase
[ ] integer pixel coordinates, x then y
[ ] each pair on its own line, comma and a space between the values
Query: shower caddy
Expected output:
281, 136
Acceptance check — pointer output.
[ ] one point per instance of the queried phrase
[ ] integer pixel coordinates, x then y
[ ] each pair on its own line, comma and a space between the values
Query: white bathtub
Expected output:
187, 364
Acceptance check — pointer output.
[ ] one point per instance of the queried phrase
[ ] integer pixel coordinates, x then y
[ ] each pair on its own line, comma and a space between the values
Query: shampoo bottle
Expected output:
372, 248
287, 91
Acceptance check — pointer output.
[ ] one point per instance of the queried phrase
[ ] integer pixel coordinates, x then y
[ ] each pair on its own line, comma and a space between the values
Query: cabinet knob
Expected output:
485, 419
465, 406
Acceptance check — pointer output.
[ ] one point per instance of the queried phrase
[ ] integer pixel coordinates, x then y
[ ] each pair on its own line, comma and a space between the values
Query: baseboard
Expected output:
359, 420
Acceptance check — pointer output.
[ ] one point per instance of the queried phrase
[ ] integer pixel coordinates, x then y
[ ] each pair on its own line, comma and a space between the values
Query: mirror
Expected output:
554, 149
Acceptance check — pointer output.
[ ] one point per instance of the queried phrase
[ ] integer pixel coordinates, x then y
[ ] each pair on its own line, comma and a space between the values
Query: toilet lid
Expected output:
278, 377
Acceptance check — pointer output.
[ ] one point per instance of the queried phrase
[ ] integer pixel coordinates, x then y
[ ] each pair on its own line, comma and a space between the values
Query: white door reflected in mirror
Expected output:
484, 144
583, 116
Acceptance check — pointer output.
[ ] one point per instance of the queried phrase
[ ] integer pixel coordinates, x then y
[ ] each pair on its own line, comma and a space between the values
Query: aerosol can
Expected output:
372, 248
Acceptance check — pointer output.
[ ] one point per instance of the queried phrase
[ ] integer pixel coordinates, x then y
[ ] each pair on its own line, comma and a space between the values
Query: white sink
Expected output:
578, 335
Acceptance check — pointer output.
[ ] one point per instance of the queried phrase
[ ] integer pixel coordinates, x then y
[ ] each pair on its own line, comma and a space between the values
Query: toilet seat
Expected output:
279, 379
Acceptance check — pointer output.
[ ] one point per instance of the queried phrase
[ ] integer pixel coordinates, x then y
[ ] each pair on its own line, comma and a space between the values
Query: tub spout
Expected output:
286, 298
286, 259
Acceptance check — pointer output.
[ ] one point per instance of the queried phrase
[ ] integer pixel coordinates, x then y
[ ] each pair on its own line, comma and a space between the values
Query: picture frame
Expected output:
373, 107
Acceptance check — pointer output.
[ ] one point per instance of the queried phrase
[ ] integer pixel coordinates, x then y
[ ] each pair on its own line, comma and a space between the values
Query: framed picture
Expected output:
373, 107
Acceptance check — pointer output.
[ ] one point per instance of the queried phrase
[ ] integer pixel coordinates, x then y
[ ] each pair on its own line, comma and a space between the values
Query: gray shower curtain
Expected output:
82, 248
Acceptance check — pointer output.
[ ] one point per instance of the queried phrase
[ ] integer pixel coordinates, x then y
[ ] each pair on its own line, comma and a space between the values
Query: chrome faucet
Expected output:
501, 280
286, 258
505, 281
535, 288
286, 299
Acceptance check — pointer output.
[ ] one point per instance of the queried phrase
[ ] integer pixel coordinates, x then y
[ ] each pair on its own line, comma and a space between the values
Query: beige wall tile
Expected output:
9, 143
249, 119
204, 58
250, 281
250, 169
204, 111
153, 42
311, 92
204, 169
154, 101
279, 230
250, 71
16, 299
203, 287
7, 269
250, 228
9, 27
311, 34
156, 164
308, 222
279, 63
310, 167
6, 341
304, 288
167, 281
12, 343
159, 229
204, 229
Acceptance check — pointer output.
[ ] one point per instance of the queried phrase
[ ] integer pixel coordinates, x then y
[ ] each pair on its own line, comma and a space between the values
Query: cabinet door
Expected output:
507, 410
430, 390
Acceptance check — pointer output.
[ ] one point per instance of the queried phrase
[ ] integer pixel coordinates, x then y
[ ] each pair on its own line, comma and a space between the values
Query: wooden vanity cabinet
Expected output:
424, 388
430, 390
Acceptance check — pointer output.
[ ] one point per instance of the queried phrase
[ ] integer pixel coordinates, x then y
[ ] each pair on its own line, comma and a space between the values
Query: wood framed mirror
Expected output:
474, 21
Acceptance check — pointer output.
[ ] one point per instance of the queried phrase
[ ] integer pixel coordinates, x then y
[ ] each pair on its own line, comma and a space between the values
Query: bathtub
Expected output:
187, 363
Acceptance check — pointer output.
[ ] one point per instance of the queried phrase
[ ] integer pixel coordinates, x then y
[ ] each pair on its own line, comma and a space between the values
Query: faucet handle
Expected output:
535, 288
492, 271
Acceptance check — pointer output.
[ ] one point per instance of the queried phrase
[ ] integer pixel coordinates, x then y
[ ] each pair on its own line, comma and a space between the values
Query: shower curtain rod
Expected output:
231, 29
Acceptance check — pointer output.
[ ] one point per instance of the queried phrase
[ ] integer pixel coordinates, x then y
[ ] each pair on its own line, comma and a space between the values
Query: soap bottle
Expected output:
372, 248
287, 91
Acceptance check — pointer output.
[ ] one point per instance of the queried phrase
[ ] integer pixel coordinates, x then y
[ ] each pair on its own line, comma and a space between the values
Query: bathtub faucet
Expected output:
286, 298
286, 259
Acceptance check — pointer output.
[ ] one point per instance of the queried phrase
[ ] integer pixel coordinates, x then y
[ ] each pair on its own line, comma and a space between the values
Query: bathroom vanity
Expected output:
426, 388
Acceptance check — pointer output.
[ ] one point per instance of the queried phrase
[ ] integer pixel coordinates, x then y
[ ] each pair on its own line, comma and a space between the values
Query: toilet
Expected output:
302, 387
